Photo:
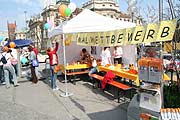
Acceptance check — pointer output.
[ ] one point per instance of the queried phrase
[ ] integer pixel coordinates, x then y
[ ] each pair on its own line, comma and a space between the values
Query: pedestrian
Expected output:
1, 70
106, 57
36, 52
32, 57
14, 59
171, 67
8, 69
52, 53
117, 54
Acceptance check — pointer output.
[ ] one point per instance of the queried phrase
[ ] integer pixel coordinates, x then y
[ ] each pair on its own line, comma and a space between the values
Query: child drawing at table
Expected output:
93, 68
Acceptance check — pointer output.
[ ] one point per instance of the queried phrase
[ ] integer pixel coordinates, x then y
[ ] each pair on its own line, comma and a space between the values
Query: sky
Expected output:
13, 10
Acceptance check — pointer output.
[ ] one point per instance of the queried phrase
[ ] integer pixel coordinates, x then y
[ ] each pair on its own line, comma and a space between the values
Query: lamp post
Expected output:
25, 12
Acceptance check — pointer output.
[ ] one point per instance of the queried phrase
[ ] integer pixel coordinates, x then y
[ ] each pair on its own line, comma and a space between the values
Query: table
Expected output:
73, 66
125, 74
74, 70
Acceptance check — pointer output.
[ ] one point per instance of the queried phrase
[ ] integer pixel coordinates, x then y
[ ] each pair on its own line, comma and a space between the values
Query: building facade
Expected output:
35, 31
109, 8
11, 30
20, 35
51, 14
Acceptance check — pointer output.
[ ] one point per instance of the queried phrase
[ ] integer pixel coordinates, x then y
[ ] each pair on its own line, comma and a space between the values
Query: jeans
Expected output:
53, 78
9, 70
33, 74
1, 74
16, 69
36, 71
92, 70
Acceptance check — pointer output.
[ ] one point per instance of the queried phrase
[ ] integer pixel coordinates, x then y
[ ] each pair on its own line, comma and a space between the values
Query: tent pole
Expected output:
65, 94
19, 62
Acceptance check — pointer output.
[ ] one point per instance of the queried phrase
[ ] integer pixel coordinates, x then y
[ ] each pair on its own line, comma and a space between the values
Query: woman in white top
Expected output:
14, 60
106, 56
117, 54
9, 70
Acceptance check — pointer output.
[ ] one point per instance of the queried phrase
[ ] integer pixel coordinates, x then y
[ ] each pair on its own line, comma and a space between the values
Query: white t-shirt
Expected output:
8, 57
94, 63
105, 55
118, 52
14, 53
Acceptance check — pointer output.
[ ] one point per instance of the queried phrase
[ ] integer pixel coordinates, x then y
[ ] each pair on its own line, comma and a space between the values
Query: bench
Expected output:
116, 84
74, 73
77, 73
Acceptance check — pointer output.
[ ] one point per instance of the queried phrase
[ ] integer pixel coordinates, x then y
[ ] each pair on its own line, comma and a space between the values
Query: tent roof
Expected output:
20, 42
89, 21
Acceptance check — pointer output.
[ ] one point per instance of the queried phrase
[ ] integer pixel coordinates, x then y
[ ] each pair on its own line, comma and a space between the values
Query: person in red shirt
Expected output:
53, 58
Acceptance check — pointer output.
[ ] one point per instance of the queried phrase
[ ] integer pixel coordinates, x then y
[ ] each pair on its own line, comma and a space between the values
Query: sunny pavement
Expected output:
38, 102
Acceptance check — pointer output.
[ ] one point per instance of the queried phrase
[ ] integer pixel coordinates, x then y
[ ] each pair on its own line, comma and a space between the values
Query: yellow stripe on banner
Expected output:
138, 35
107, 40
74, 37
101, 38
166, 30
79, 39
91, 39
120, 37
128, 36
151, 33
113, 38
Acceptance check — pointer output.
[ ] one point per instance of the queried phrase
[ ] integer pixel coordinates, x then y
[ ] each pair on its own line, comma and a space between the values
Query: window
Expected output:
103, 5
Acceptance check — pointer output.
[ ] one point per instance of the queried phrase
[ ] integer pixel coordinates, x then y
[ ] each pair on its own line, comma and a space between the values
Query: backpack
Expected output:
3, 59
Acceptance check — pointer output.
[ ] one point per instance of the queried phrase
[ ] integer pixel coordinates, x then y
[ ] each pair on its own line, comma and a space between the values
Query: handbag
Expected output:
14, 61
35, 63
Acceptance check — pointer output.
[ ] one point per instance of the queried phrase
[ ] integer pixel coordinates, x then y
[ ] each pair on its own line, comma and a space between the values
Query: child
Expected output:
93, 68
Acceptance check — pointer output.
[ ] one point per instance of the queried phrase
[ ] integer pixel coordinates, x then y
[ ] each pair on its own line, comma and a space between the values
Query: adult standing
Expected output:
14, 60
8, 69
117, 54
32, 57
106, 56
1, 70
52, 53
36, 52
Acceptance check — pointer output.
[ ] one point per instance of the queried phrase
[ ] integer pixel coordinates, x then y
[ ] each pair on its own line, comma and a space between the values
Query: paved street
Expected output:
39, 102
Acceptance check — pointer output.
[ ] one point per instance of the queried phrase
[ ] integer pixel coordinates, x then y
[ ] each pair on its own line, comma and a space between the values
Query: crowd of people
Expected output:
9, 66
9, 63
106, 58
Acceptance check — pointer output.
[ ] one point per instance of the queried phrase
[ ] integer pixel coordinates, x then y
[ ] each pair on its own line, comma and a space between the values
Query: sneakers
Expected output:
16, 85
3, 83
8, 86
57, 88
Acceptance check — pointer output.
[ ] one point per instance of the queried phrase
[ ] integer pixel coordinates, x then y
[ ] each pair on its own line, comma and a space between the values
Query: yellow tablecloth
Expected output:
125, 74
73, 67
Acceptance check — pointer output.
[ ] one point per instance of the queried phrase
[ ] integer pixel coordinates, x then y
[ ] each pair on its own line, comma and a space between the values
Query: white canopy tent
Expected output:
87, 21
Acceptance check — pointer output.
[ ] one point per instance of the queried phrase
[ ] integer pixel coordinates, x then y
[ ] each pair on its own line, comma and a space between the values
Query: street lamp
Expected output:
25, 12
